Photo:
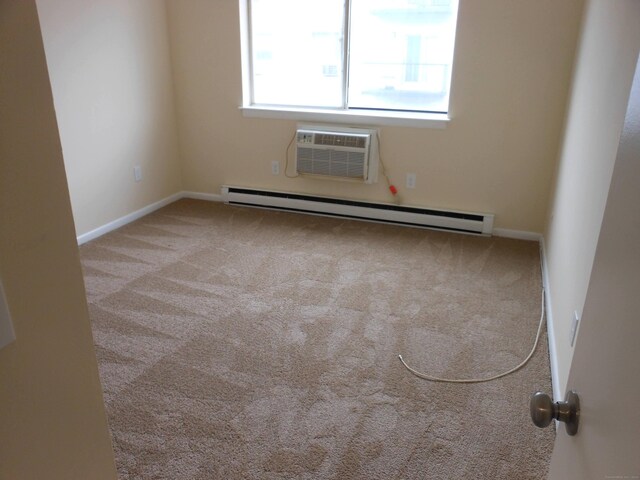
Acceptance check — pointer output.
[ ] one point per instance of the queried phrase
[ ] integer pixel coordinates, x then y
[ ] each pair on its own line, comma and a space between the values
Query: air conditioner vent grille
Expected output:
331, 162
337, 153
331, 139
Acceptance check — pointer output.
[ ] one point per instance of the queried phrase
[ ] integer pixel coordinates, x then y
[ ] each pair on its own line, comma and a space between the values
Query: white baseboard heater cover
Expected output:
474, 223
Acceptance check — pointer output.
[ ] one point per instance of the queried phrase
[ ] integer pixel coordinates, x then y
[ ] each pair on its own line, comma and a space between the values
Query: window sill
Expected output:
361, 117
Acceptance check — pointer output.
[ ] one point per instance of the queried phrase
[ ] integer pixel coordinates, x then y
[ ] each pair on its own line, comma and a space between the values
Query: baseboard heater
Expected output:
474, 223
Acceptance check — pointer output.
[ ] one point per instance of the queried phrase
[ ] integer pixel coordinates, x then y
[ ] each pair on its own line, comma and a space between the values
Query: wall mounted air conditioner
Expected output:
339, 153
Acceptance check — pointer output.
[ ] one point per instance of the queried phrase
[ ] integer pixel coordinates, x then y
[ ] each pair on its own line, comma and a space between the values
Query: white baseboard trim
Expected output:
122, 221
215, 197
551, 336
517, 234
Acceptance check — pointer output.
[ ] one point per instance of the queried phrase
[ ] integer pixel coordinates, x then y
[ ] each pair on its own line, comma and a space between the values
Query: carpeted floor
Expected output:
242, 343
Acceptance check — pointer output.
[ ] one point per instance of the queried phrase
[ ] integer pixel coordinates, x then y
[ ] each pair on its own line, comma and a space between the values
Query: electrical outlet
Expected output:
574, 327
275, 167
411, 180
137, 173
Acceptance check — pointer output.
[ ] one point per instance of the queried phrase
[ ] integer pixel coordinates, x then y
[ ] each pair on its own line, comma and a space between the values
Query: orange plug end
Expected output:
393, 190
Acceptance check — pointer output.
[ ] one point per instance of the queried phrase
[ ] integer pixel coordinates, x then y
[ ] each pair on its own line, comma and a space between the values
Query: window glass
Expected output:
297, 54
398, 53
401, 54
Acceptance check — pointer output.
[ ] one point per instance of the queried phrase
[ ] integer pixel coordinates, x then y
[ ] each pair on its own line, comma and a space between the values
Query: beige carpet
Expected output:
242, 343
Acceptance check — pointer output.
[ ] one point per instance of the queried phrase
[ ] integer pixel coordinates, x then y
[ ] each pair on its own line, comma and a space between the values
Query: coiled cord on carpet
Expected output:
487, 379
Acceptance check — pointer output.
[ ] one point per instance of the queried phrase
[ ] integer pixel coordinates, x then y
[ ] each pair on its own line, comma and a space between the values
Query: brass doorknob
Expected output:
543, 410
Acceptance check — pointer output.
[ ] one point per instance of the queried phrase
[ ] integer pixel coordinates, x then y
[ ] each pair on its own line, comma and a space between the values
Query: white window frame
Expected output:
368, 117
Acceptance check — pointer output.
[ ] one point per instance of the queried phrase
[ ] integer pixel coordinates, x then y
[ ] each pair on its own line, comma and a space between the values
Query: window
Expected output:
350, 55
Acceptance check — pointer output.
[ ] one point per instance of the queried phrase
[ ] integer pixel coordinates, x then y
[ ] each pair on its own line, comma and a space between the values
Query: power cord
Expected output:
286, 163
488, 379
392, 188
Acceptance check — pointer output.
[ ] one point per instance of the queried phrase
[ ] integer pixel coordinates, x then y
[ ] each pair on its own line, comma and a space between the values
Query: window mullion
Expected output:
345, 53
249, 49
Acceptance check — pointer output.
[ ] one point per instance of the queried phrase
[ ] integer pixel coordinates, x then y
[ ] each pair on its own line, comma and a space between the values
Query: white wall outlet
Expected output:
574, 327
137, 173
411, 180
275, 167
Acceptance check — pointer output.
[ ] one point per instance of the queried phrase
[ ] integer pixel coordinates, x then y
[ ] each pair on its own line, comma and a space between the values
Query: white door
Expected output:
605, 371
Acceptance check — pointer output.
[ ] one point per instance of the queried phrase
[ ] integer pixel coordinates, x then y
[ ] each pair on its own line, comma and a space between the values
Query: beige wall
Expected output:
604, 369
110, 73
511, 75
604, 70
52, 419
